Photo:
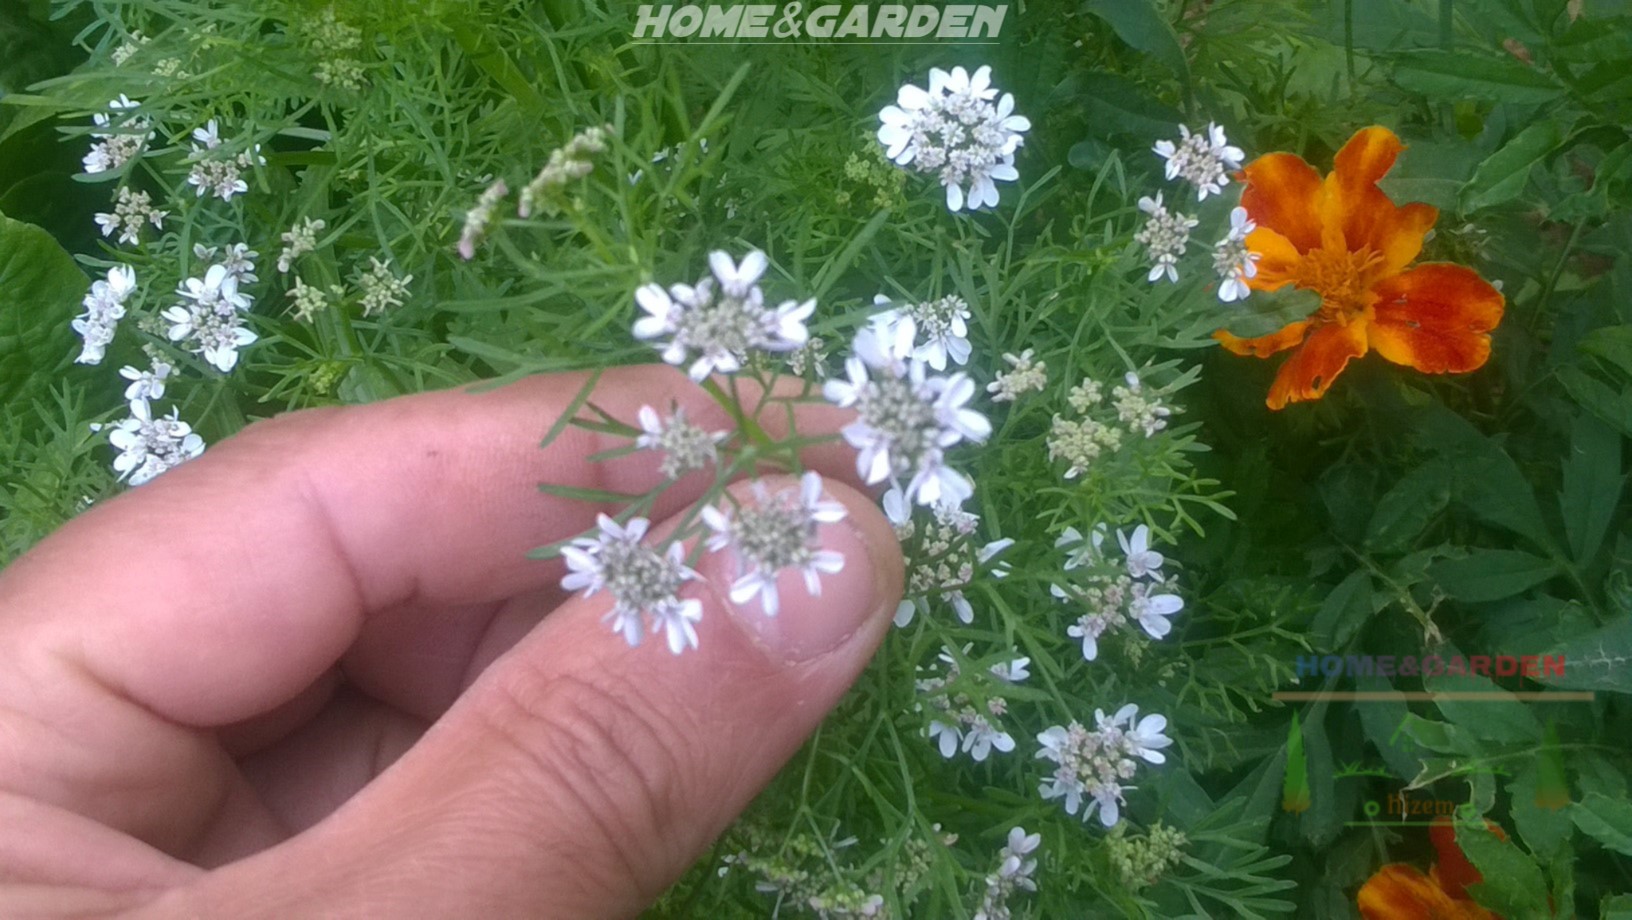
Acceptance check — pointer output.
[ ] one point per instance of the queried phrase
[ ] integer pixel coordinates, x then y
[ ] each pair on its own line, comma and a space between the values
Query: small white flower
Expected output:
479, 219
148, 384
723, 318
149, 446
1205, 160
114, 148
1084, 552
981, 737
1013, 671
1024, 377
954, 130
906, 418
1234, 262
644, 583
211, 320
215, 172
776, 533
1165, 236
1152, 610
685, 446
299, 240
943, 324
104, 307
1141, 559
381, 288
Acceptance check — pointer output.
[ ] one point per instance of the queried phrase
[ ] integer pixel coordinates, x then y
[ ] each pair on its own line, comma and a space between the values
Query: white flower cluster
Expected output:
940, 554
297, 241
310, 300
131, 209
149, 445
1083, 439
767, 536
480, 218
906, 417
209, 319
104, 308
1093, 765
685, 446
957, 722
1205, 160
336, 45
1137, 594
117, 143
943, 325
1023, 376
1015, 867
722, 318
381, 288
953, 129
1165, 236
214, 170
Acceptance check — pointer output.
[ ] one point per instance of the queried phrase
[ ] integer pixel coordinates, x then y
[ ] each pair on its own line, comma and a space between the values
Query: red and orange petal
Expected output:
1309, 372
1436, 318
1283, 193
1289, 336
1401, 892
1454, 872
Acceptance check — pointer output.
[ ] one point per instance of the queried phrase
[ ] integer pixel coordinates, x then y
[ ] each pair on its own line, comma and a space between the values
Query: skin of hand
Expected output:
314, 673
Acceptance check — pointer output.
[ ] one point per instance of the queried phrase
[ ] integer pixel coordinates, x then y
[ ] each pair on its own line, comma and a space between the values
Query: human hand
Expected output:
313, 673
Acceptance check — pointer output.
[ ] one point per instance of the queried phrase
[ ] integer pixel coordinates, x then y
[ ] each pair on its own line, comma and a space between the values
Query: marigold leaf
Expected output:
1502, 176
1513, 885
1606, 820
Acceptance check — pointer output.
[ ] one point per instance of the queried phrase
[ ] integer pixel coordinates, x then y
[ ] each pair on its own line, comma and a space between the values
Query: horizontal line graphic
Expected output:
1406, 696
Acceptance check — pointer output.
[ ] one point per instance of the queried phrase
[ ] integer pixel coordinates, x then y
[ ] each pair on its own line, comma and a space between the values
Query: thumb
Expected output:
579, 777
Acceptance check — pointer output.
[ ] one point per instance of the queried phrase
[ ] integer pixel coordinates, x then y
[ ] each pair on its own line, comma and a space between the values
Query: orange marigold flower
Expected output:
1453, 871
1347, 241
1401, 892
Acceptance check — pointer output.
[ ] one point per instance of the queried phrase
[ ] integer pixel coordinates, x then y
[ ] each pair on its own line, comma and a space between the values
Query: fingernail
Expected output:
808, 626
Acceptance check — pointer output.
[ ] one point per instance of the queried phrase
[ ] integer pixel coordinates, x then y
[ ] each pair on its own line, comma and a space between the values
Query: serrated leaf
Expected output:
1606, 820
1455, 76
1498, 717
1442, 737
1610, 344
1502, 176
1592, 485
1491, 574
1599, 660
1542, 823
1611, 406
40, 291
1513, 885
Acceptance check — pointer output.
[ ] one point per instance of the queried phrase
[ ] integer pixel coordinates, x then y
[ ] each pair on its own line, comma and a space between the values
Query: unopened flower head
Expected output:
1234, 262
773, 533
127, 49
1092, 765
1165, 236
122, 138
907, 418
311, 300
722, 318
150, 445
643, 582
381, 288
1138, 408
131, 209
955, 130
299, 240
685, 446
480, 219
1026, 375
104, 307
1081, 442
1204, 159
574, 160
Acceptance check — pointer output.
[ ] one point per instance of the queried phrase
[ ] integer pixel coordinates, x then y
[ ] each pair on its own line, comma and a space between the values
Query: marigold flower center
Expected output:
1341, 278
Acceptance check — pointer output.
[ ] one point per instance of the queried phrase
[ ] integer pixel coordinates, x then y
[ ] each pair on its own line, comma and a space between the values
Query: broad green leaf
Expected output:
1592, 486
1322, 821
1606, 820
1610, 405
1485, 479
40, 291
1455, 76
1599, 660
1491, 574
1498, 717
1138, 23
1344, 611
1116, 105
1502, 176
1542, 821
1513, 885
1611, 344
1404, 510
1380, 720
1442, 737
1616, 907
1596, 40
